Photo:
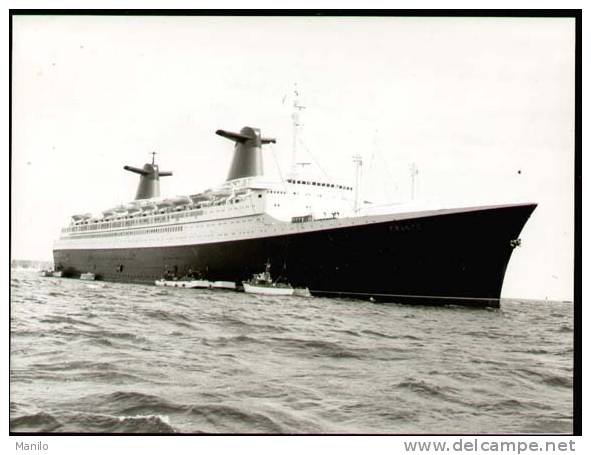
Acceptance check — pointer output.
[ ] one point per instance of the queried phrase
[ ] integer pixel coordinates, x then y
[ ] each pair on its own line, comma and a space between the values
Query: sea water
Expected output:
110, 357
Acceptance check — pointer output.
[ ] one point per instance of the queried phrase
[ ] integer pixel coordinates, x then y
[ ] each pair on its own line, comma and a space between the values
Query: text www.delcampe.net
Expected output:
495, 446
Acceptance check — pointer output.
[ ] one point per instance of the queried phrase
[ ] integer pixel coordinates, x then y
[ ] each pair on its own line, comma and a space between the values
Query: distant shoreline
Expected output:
30, 264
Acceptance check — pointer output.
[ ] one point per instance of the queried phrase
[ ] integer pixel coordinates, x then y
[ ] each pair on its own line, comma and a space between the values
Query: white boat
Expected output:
273, 289
53, 273
88, 276
230, 285
261, 283
199, 284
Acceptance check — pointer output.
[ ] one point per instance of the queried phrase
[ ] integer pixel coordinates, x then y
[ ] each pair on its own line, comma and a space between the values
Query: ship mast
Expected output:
358, 161
295, 117
414, 171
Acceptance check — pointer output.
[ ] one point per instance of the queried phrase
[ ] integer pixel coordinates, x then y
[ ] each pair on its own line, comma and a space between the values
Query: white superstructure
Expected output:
238, 209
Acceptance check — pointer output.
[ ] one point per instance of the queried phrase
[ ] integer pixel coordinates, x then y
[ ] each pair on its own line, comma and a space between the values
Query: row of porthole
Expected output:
147, 231
165, 238
154, 230
132, 233
139, 220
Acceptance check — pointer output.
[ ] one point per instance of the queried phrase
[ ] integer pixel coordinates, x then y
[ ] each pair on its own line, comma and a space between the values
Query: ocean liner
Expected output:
312, 230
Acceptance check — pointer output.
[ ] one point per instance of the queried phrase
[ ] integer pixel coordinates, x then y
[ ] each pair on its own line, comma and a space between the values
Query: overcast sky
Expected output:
483, 106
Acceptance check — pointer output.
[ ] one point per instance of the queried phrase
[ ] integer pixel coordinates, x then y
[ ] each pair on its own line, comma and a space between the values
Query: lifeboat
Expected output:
81, 217
223, 192
180, 200
201, 197
164, 204
133, 209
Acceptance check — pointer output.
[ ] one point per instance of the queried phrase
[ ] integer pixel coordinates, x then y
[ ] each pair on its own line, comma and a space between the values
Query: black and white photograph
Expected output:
293, 223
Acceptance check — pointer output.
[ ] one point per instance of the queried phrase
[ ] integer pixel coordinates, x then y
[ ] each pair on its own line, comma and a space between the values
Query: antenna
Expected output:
358, 161
153, 156
414, 171
295, 117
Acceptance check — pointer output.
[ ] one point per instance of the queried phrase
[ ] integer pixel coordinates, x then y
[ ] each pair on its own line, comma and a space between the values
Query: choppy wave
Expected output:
117, 358
92, 423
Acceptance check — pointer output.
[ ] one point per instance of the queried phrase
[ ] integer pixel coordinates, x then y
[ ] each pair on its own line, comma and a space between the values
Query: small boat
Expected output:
184, 283
230, 285
88, 276
261, 283
52, 273
273, 289
190, 280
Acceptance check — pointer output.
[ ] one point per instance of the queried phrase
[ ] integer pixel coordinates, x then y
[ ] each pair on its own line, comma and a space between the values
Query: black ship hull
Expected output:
454, 258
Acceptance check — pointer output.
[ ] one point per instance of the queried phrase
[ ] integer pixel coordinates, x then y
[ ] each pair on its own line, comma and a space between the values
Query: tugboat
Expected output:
261, 283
